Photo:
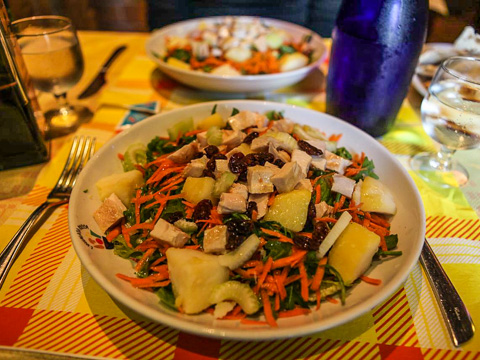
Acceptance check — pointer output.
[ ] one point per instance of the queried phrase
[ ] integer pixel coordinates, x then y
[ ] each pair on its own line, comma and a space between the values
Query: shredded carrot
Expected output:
120, 156
234, 317
286, 261
254, 215
326, 219
303, 281
266, 269
331, 300
144, 259
271, 199
148, 226
294, 312
278, 235
193, 132
318, 277
282, 292
318, 194
126, 235
137, 207
158, 261
267, 309
114, 233
291, 279
370, 280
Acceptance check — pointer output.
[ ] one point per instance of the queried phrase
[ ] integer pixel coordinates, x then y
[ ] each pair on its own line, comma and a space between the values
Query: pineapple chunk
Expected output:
376, 197
197, 189
178, 63
123, 185
290, 209
289, 62
352, 253
212, 120
194, 275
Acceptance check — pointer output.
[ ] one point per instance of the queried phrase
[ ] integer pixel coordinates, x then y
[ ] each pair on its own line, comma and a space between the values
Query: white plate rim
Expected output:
238, 334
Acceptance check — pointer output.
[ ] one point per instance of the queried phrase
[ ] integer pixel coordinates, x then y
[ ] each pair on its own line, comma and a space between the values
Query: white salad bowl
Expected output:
102, 264
155, 48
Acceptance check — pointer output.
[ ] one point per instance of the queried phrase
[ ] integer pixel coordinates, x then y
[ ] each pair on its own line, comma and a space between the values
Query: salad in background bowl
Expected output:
236, 54
104, 266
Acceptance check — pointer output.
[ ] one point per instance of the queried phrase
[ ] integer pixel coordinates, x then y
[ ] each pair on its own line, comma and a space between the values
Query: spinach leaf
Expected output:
214, 109
343, 152
391, 241
173, 206
121, 248
181, 55
277, 250
166, 296
285, 49
274, 115
368, 166
293, 297
325, 191
235, 111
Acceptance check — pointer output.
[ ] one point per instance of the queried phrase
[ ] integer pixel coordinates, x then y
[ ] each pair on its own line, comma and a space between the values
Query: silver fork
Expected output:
82, 149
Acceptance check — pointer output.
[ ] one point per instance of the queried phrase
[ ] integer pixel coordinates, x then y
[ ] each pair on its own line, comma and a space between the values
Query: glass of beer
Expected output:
54, 61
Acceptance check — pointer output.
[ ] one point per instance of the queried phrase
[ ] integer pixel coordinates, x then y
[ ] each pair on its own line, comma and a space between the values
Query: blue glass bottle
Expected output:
375, 48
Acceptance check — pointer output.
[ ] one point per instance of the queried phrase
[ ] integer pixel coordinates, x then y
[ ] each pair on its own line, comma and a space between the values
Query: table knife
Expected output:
100, 80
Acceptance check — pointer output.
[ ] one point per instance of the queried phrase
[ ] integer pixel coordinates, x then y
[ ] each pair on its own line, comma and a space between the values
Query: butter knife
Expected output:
100, 80
459, 322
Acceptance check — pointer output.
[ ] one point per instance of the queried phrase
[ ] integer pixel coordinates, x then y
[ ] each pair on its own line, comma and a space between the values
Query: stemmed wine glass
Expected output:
451, 116
54, 61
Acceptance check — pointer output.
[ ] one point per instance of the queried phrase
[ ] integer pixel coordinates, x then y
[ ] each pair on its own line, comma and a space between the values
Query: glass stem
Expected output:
444, 158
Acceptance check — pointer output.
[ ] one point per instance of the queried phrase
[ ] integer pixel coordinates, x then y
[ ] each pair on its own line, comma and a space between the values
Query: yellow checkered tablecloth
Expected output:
49, 303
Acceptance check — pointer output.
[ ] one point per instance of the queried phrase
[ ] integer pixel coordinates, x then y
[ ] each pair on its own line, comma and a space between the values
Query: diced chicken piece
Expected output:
240, 189
260, 43
109, 213
282, 155
215, 240
195, 167
210, 37
274, 167
246, 119
283, 125
319, 162
258, 179
200, 49
343, 185
357, 192
216, 52
170, 234
302, 159
230, 42
262, 203
288, 177
185, 153
221, 166
285, 155
231, 203
232, 138
202, 139
319, 144
223, 31
336, 163
225, 69
323, 209
261, 143
304, 184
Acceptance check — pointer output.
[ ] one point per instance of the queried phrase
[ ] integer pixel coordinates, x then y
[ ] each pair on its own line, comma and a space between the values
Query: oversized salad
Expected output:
235, 47
246, 215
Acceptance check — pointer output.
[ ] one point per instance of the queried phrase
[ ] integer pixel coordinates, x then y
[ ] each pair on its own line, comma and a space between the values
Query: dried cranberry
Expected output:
306, 243
249, 138
198, 155
236, 164
258, 158
309, 149
312, 212
211, 150
238, 230
279, 163
243, 176
177, 215
202, 210
320, 231
251, 206
211, 165
208, 173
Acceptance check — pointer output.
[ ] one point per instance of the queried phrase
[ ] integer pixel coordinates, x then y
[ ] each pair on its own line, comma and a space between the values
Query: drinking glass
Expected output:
451, 116
54, 60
